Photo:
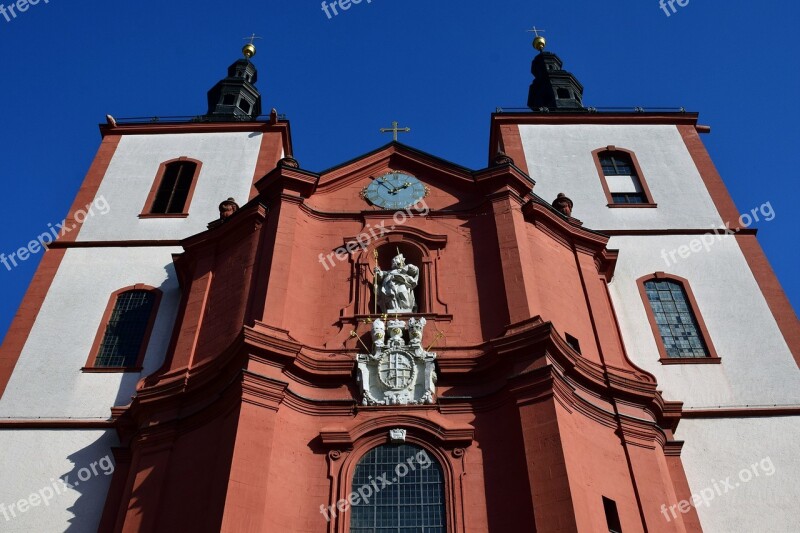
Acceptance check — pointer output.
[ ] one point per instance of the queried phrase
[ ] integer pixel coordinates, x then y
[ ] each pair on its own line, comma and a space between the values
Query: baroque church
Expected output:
399, 343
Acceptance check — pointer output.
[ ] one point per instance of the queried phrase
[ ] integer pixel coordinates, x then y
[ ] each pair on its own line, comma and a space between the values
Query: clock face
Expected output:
395, 190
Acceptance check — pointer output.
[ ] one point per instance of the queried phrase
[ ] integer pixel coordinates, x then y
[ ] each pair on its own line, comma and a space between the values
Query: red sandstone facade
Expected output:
253, 422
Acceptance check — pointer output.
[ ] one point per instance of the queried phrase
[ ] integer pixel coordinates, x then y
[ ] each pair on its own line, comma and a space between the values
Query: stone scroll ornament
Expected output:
398, 371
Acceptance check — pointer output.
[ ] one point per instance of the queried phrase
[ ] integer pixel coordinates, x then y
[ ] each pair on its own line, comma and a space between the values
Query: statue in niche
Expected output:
396, 287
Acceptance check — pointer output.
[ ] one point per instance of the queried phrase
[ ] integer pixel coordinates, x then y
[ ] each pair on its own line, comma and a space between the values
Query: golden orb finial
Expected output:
249, 50
539, 42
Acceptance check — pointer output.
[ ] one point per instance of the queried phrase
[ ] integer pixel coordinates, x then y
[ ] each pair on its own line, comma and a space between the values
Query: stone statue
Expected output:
563, 204
227, 209
396, 287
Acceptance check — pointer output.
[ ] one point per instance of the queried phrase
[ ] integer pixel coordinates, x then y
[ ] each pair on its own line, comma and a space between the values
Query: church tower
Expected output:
400, 343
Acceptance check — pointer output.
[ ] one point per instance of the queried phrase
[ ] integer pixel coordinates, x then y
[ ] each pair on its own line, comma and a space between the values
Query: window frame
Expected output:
157, 181
101, 331
649, 202
665, 359
343, 466
348, 516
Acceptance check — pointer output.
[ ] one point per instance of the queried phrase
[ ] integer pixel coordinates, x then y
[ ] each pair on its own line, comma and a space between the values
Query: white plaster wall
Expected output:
33, 460
229, 162
718, 449
559, 159
47, 381
757, 367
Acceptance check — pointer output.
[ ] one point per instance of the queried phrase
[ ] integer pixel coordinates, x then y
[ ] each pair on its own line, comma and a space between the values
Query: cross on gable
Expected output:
395, 130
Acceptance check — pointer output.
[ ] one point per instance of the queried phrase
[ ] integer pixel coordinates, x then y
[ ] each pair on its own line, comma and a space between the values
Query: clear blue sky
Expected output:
440, 67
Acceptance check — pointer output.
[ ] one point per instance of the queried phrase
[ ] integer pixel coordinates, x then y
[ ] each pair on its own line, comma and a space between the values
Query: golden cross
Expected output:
252, 38
536, 31
395, 130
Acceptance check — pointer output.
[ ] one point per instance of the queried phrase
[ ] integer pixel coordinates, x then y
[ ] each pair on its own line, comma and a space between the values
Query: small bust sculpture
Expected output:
563, 204
227, 208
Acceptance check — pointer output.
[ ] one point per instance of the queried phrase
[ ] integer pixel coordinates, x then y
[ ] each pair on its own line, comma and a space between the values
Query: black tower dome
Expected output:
553, 87
236, 97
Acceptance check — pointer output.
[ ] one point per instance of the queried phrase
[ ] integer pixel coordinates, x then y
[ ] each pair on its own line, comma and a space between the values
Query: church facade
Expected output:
582, 336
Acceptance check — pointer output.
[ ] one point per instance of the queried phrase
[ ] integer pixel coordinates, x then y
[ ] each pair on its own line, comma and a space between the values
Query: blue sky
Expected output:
440, 67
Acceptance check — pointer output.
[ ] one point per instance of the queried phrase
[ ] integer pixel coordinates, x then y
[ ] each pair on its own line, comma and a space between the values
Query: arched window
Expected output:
675, 319
173, 188
410, 494
622, 179
122, 340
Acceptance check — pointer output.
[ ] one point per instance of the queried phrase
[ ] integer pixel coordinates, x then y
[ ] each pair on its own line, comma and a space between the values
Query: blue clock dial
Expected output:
395, 190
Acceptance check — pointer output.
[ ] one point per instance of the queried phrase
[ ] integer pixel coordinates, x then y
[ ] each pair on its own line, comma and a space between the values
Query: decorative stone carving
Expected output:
290, 162
396, 287
397, 436
501, 158
563, 204
228, 208
397, 372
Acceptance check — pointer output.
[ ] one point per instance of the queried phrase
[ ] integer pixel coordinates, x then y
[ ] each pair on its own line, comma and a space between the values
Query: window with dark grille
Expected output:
621, 178
126, 329
412, 503
675, 318
173, 190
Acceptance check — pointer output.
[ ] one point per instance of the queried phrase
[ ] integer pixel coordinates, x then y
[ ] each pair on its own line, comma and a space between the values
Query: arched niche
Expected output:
419, 248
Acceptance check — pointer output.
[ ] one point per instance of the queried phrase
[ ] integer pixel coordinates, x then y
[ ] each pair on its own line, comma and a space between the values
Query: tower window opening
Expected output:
676, 321
622, 181
126, 332
612, 515
173, 190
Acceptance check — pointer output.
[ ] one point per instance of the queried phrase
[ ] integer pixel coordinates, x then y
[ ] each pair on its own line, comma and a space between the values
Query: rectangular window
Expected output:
126, 330
612, 516
622, 182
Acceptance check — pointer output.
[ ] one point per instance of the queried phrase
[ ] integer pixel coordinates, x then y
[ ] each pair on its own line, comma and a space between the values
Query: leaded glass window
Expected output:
621, 178
676, 321
413, 499
126, 329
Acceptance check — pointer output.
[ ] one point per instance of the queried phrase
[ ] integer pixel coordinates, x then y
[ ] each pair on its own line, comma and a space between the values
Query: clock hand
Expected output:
404, 186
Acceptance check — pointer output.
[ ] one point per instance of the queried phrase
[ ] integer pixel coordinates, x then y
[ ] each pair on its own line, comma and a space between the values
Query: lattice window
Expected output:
412, 503
621, 178
676, 320
126, 329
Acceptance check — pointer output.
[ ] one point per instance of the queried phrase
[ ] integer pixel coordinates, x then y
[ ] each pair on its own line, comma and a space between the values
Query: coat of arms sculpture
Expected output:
398, 371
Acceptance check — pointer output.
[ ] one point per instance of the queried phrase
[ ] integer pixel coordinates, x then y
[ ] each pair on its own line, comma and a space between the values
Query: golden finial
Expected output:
249, 50
539, 42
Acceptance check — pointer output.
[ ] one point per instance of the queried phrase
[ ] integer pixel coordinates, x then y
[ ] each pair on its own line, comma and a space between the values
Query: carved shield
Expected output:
396, 370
